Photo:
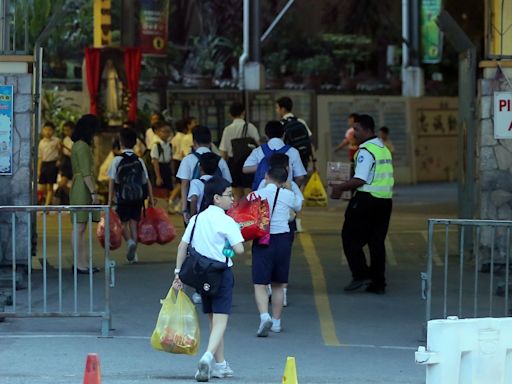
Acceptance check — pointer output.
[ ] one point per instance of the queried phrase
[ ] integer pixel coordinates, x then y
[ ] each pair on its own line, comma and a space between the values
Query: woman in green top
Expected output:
83, 188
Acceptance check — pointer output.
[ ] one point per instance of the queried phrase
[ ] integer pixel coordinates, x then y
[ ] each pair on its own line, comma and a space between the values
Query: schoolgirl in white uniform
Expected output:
214, 234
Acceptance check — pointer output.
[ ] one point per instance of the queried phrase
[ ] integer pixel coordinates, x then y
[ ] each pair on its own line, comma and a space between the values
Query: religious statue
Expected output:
112, 94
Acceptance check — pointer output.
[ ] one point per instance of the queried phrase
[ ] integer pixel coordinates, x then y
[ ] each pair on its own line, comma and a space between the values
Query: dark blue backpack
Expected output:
264, 164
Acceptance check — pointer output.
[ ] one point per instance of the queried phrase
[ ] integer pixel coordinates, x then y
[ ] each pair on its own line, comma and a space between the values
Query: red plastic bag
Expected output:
146, 232
164, 229
116, 231
252, 213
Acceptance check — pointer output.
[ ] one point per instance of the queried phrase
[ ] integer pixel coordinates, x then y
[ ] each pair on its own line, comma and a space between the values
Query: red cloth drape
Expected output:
92, 65
132, 59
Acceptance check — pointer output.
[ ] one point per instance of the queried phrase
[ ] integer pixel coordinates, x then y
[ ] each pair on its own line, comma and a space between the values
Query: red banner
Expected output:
154, 16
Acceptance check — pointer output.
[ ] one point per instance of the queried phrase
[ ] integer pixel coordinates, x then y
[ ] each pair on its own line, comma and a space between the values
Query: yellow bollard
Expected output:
290, 372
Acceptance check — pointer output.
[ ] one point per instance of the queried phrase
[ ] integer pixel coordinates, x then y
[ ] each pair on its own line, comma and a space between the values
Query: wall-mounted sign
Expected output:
503, 115
6, 129
154, 16
431, 36
102, 23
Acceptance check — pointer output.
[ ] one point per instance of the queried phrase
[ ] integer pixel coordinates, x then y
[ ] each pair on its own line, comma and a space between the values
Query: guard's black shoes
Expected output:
356, 284
377, 289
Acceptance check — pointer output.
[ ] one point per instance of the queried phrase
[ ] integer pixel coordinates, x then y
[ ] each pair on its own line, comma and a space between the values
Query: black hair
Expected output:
129, 124
279, 174
160, 116
274, 129
69, 124
201, 135
279, 160
85, 128
385, 130
116, 144
353, 116
285, 102
209, 162
215, 186
188, 120
49, 124
160, 124
366, 122
128, 138
236, 109
180, 126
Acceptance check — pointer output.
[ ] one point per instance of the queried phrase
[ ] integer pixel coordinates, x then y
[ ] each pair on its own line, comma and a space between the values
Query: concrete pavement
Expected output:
335, 337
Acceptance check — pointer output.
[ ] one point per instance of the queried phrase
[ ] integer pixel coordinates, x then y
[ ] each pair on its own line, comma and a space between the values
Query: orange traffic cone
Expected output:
92, 374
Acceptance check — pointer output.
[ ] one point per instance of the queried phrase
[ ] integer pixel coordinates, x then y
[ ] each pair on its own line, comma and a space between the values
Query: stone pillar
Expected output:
16, 189
494, 161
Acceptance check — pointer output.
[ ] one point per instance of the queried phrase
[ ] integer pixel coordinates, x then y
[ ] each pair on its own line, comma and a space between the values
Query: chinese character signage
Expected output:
154, 16
437, 122
102, 23
6, 129
431, 36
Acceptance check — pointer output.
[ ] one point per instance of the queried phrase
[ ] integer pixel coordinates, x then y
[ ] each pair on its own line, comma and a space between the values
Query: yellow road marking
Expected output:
323, 306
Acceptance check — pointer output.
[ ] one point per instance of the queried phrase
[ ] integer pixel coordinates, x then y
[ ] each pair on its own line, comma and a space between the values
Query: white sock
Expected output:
207, 355
276, 322
131, 241
265, 316
221, 365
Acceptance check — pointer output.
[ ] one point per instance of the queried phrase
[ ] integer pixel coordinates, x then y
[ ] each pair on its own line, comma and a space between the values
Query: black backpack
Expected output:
297, 136
129, 181
242, 148
148, 162
196, 174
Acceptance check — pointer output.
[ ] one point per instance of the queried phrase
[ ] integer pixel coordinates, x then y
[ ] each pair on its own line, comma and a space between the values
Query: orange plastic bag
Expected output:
146, 232
252, 213
164, 229
116, 231
177, 328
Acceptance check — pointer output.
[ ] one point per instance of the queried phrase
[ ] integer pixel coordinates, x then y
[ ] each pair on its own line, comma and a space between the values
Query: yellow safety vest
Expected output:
381, 186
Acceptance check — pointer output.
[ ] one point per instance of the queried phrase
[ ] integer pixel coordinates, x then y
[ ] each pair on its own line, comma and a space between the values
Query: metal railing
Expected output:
470, 277
49, 291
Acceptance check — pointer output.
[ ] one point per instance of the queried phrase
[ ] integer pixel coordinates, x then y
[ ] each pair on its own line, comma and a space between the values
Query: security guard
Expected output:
368, 212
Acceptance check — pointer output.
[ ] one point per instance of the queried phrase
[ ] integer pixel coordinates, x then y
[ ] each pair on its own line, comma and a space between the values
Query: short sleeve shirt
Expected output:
188, 165
290, 115
165, 156
234, 131
197, 189
365, 162
176, 146
213, 228
296, 168
49, 149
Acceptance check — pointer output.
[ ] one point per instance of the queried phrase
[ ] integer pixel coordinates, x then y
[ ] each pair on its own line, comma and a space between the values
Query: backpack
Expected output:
129, 181
197, 169
296, 135
242, 148
148, 162
264, 164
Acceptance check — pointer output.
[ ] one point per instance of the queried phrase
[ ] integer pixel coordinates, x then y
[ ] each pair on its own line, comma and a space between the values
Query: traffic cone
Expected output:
290, 372
92, 374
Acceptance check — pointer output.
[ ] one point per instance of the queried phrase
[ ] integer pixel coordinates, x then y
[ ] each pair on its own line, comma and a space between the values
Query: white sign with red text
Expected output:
503, 115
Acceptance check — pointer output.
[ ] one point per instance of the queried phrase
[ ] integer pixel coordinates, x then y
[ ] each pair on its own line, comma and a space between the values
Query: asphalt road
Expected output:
335, 337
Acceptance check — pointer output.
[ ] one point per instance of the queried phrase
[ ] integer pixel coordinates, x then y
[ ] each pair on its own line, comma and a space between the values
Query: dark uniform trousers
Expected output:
366, 222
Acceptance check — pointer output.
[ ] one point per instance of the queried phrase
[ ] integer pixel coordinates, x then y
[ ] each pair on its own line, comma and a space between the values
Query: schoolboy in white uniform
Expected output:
208, 163
271, 263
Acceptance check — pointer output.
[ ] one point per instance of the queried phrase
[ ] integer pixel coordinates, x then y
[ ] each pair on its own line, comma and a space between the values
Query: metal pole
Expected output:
245, 55
278, 18
405, 33
254, 53
415, 32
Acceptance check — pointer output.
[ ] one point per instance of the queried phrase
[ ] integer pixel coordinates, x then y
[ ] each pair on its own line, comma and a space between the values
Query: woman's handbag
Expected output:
200, 272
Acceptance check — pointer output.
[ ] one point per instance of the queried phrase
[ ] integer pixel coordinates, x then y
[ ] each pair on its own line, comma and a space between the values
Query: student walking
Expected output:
210, 233
161, 156
129, 184
175, 206
65, 169
208, 164
49, 152
271, 263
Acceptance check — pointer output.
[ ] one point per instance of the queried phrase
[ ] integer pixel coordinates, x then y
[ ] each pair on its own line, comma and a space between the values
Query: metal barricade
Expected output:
50, 292
468, 274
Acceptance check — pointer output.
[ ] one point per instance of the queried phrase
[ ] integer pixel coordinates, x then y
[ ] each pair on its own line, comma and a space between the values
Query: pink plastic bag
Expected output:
116, 231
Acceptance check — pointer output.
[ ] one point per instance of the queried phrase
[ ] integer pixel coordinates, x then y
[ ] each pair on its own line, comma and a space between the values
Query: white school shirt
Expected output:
213, 228
295, 189
365, 162
176, 146
67, 143
188, 164
197, 189
117, 159
296, 168
166, 155
49, 149
291, 115
285, 201
235, 131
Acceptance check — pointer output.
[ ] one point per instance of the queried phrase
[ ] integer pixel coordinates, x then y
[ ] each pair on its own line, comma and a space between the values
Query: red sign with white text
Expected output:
154, 16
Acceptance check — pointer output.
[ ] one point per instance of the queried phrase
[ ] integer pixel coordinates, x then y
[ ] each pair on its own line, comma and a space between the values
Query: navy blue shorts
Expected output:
127, 212
271, 263
221, 302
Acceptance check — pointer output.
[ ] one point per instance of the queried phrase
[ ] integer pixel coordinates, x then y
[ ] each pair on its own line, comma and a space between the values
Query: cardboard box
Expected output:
338, 173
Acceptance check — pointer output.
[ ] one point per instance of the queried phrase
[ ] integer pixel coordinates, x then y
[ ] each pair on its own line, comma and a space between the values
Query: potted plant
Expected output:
275, 68
314, 68
207, 60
